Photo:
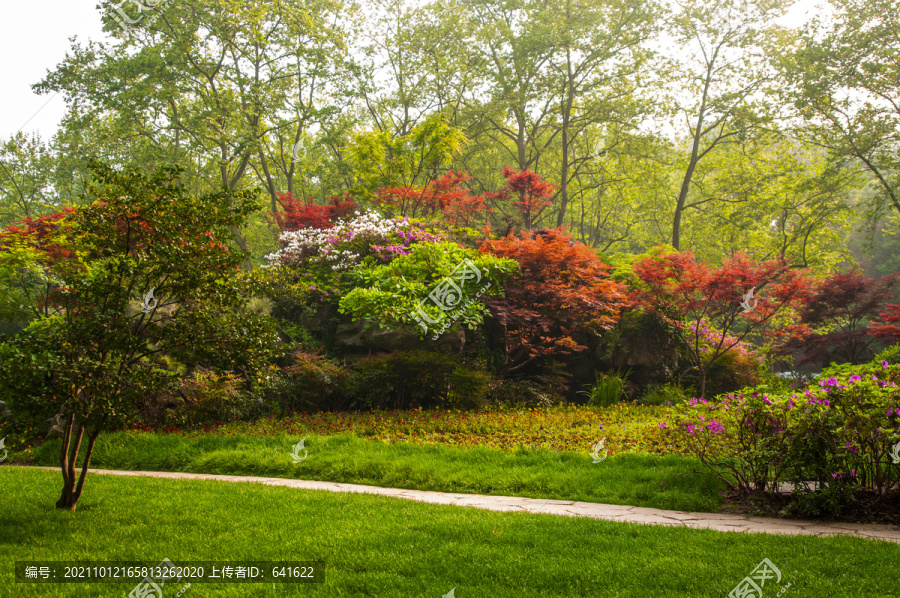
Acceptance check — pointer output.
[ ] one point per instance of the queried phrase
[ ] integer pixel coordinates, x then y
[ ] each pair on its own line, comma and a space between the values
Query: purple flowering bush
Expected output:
830, 439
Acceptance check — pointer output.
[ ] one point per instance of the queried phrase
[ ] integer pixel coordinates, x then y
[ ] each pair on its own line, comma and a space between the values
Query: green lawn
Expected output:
660, 481
382, 547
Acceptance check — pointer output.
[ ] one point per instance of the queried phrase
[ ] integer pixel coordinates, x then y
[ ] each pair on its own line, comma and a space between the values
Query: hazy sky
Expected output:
34, 37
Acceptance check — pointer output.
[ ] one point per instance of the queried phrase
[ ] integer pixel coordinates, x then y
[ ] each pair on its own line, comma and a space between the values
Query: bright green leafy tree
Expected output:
99, 354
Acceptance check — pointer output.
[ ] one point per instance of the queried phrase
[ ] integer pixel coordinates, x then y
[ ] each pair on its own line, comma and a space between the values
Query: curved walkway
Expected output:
714, 521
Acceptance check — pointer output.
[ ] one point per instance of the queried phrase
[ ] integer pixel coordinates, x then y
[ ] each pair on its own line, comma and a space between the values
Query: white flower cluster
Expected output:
321, 245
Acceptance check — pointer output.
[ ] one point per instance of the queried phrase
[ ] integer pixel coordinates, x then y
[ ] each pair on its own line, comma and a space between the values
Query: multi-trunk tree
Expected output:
97, 355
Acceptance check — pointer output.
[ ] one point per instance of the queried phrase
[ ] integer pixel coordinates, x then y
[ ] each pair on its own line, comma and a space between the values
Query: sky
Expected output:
34, 38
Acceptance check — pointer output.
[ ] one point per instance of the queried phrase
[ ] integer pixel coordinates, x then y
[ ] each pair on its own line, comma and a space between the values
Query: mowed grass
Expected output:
660, 481
383, 547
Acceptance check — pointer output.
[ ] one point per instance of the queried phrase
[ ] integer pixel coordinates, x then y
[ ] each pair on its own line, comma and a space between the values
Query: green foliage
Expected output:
310, 383
832, 442
205, 398
671, 393
608, 389
382, 160
890, 355
390, 294
519, 393
410, 379
92, 356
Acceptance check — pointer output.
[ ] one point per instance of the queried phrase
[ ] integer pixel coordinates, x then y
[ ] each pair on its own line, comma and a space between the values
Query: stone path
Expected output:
714, 521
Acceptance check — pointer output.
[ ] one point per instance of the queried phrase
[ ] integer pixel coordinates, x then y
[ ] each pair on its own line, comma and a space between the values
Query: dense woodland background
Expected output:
703, 125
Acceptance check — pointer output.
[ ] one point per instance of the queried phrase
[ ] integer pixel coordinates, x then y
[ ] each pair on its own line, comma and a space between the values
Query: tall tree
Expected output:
207, 84
841, 75
599, 53
716, 88
26, 178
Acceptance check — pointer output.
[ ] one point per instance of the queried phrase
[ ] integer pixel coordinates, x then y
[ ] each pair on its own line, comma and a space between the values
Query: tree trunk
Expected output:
71, 490
568, 98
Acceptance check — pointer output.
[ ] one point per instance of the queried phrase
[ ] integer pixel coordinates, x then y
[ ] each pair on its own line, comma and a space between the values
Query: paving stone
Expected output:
546, 501
657, 519
593, 505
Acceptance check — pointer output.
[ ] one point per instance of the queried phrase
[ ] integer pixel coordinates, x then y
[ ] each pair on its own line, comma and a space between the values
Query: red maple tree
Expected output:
446, 196
40, 230
529, 193
888, 330
736, 298
40, 233
834, 320
563, 289
298, 214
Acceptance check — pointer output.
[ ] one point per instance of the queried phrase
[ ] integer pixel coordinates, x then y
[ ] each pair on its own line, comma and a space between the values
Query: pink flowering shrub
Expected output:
832, 438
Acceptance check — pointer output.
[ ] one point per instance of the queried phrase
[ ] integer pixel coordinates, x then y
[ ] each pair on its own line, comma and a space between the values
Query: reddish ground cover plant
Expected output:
299, 214
527, 191
446, 196
563, 288
737, 298
834, 324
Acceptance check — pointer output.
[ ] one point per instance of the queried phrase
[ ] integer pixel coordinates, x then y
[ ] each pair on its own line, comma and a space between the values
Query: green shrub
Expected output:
518, 393
671, 393
468, 388
890, 355
204, 398
831, 439
410, 379
310, 383
396, 293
